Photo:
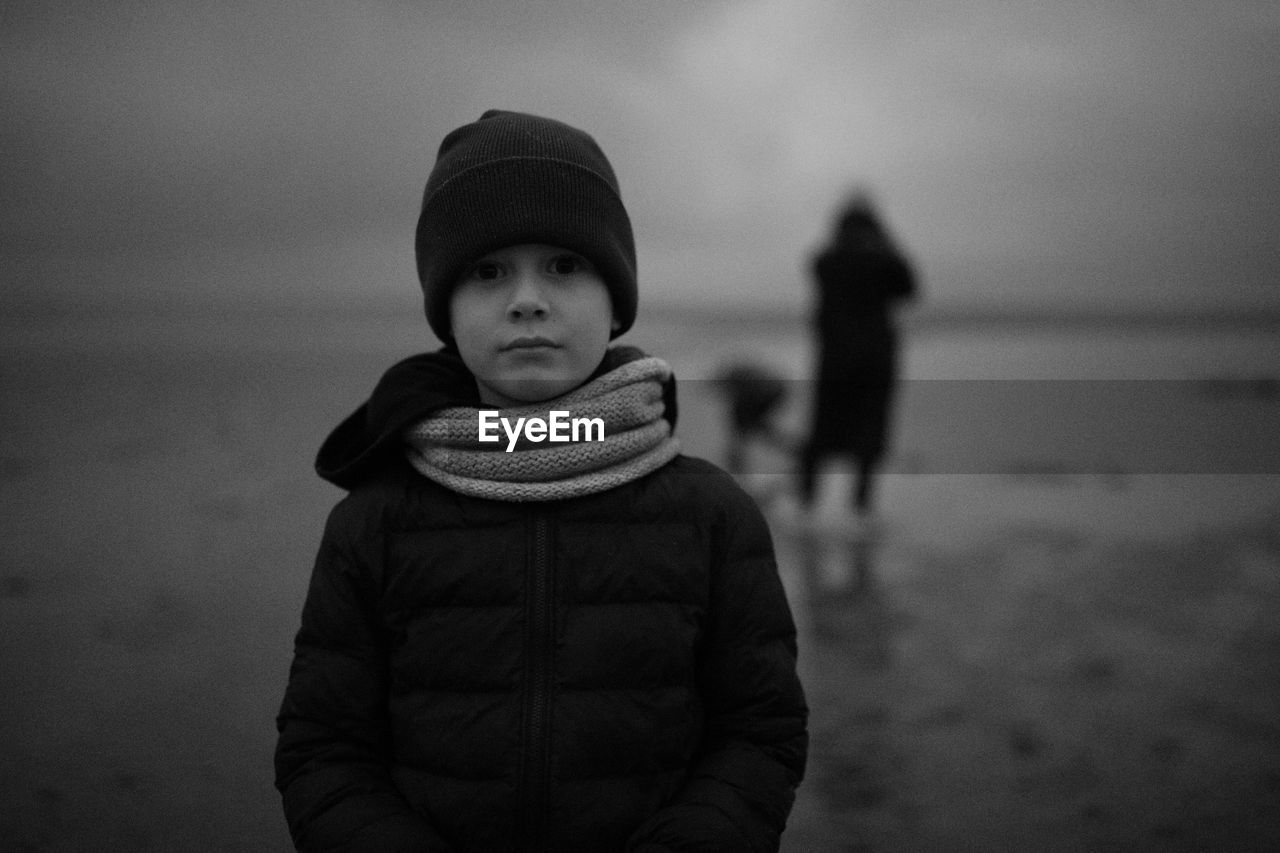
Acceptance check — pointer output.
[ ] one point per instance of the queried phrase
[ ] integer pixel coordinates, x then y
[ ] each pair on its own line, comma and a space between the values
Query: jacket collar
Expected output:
369, 439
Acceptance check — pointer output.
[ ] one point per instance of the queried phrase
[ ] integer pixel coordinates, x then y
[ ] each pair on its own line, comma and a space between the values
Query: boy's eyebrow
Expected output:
561, 161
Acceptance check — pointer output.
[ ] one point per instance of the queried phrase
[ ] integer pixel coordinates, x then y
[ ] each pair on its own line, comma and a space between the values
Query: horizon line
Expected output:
928, 315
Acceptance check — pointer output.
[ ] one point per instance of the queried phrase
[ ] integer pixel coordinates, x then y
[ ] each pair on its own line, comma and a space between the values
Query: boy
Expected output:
530, 644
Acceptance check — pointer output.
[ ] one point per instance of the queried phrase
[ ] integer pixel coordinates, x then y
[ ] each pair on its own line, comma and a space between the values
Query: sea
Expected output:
977, 393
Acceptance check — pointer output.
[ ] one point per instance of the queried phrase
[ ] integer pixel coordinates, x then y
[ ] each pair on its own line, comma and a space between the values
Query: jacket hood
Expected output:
368, 439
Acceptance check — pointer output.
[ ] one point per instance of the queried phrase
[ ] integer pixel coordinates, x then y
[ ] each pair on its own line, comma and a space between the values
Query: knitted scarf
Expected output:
446, 447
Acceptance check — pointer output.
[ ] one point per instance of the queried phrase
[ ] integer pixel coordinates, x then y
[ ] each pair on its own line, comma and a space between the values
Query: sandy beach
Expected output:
1057, 649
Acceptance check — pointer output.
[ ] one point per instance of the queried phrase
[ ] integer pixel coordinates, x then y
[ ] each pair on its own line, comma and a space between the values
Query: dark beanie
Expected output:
513, 178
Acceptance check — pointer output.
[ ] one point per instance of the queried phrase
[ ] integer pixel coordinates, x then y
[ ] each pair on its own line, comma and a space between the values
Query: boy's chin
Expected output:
528, 392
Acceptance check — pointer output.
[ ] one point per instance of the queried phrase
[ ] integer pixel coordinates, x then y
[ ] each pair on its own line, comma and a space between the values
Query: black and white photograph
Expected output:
741, 426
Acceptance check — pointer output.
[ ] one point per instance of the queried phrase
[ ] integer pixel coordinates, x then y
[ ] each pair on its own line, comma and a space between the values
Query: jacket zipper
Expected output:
539, 670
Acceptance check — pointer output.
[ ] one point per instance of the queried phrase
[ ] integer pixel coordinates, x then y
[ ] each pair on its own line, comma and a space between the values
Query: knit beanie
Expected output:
512, 178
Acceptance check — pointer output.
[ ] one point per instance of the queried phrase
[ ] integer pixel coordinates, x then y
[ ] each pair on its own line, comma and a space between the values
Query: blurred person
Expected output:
860, 276
574, 646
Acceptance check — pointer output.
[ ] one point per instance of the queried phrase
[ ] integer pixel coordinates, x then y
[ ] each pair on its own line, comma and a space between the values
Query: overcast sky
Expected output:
1075, 153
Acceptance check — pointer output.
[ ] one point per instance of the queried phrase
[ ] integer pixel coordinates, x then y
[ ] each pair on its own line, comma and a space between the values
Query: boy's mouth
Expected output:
530, 342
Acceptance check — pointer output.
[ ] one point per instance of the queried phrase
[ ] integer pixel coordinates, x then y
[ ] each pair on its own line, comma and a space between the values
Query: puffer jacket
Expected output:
614, 672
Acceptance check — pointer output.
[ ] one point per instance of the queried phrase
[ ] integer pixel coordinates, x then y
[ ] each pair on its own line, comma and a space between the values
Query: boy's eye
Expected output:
567, 264
485, 271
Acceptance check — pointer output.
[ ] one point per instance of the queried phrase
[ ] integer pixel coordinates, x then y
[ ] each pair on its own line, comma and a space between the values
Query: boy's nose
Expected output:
527, 299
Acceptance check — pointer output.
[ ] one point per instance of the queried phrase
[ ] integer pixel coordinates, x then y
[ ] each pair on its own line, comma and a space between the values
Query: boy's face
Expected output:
531, 322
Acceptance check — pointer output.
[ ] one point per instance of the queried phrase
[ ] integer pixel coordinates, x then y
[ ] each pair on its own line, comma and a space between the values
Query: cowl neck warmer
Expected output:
371, 439
626, 400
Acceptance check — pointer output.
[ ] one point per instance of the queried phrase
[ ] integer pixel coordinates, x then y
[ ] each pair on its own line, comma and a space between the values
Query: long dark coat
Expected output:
859, 278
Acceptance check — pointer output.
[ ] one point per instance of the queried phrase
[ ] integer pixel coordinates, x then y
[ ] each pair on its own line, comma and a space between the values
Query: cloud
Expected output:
1084, 151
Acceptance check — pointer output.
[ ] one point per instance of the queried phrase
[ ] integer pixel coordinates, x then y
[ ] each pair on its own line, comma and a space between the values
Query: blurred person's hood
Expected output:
370, 437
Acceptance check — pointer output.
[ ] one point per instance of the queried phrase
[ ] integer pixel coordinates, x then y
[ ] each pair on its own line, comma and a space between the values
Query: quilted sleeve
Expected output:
739, 793
331, 756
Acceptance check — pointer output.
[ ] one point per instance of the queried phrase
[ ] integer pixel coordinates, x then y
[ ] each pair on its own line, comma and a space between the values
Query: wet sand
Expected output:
1045, 658
1053, 677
